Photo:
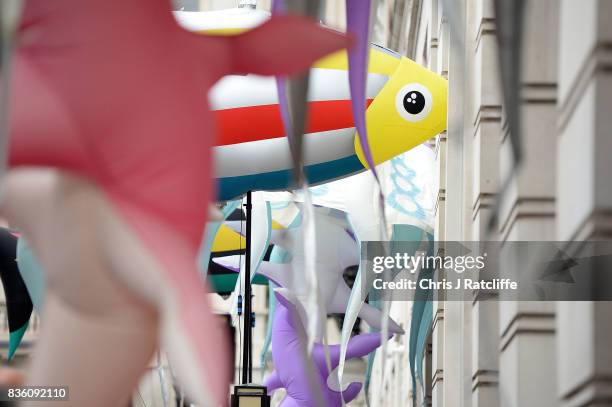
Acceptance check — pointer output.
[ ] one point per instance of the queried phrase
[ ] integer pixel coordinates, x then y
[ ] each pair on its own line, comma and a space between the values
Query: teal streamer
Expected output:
31, 273
422, 317
405, 238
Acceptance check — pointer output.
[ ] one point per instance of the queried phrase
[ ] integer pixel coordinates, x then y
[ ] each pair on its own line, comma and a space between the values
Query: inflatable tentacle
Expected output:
351, 391
273, 382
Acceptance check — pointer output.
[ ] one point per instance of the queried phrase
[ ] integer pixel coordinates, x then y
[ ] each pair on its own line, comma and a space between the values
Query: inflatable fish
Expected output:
336, 251
406, 106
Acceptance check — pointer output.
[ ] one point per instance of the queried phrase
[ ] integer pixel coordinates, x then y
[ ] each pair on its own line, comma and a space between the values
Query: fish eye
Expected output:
413, 102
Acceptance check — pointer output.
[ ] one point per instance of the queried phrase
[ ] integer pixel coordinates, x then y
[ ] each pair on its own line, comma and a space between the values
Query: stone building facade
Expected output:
514, 354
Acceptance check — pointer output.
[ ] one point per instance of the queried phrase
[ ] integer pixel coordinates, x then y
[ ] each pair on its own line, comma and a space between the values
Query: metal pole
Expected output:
247, 372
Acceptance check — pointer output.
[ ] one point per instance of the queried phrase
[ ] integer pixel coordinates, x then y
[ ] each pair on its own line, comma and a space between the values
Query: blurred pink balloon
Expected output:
110, 143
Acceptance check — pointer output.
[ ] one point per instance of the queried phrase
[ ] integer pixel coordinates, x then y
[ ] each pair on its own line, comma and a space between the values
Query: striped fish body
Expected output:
253, 153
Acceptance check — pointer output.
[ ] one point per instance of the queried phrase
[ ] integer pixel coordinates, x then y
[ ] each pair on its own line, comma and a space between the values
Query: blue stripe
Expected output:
233, 187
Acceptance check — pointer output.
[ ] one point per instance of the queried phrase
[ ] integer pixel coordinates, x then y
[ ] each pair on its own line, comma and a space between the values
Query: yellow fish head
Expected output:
408, 110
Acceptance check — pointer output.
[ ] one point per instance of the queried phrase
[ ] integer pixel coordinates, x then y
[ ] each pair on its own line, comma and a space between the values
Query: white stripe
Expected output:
220, 19
252, 90
256, 157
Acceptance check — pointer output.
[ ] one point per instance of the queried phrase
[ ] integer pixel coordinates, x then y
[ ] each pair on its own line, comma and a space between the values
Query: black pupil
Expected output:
414, 102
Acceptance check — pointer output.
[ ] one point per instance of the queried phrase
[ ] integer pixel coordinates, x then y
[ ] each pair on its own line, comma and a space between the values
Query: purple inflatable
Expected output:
291, 371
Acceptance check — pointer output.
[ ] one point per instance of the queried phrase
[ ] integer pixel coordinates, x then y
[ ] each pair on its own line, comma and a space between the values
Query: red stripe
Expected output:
243, 124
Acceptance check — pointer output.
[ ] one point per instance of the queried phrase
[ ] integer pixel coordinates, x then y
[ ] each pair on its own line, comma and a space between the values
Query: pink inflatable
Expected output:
110, 140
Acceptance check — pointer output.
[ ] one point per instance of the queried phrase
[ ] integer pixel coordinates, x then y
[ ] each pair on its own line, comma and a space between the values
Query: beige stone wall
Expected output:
486, 353
584, 192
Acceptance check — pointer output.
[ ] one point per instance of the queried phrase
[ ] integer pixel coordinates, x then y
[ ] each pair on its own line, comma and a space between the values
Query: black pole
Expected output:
249, 286
251, 359
247, 372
